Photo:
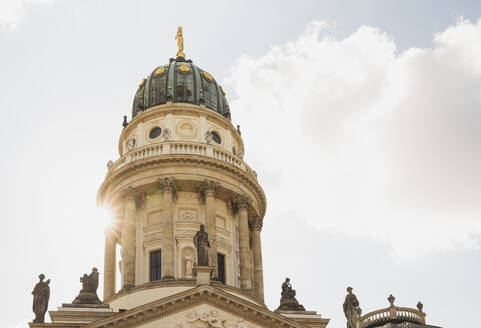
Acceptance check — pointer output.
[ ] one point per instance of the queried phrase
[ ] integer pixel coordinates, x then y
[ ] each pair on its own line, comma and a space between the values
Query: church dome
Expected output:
180, 81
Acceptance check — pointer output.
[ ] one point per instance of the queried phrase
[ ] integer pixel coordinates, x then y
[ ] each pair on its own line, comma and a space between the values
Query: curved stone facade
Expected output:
181, 166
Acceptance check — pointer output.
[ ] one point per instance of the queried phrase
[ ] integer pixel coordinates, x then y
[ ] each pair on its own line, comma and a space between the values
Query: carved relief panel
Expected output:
212, 319
188, 215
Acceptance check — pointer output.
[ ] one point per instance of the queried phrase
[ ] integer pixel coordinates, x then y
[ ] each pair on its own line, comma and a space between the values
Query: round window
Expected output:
216, 137
155, 132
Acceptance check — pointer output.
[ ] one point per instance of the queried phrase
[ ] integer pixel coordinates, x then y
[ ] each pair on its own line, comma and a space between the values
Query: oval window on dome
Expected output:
216, 137
155, 132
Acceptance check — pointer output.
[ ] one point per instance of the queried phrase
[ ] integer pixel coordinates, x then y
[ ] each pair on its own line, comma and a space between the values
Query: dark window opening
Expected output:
216, 137
155, 265
155, 132
210, 95
184, 87
221, 267
157, 90
182, 92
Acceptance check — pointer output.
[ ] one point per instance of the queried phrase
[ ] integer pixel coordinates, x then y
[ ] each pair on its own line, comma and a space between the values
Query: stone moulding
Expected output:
249, 312
190, 159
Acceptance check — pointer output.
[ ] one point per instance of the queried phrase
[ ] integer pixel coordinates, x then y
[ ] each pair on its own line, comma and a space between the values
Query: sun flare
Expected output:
107, 217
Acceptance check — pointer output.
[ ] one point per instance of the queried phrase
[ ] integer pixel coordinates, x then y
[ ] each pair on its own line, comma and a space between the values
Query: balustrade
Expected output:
378, 317
191, 148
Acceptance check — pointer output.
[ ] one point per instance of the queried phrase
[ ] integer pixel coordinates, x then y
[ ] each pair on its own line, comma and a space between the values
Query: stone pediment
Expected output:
186, 235
200, 307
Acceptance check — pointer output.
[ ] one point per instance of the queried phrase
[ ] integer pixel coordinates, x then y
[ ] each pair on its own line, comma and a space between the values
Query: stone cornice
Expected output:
191, 298
182, 282
182, 159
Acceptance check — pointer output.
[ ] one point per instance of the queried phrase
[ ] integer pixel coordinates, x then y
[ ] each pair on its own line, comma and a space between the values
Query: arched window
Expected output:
155, 265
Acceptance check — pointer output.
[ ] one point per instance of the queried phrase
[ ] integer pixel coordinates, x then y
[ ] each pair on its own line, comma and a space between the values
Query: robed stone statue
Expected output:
351, 308
201, 242
41, 295
88, 293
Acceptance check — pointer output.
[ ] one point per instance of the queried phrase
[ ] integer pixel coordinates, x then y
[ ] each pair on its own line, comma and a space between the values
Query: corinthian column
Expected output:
109, 263
243, 204
129, 197
208, 191
256, 226
167, 186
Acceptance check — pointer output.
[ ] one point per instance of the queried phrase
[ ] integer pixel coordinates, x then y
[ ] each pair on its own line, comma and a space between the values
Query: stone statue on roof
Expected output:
88, 293
288, 298
351, 308
41, 295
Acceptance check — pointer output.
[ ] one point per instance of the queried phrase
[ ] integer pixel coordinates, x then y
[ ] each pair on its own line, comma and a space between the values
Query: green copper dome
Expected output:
180, 81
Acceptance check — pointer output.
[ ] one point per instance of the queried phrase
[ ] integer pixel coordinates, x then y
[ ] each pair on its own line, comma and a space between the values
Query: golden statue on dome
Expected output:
180, 43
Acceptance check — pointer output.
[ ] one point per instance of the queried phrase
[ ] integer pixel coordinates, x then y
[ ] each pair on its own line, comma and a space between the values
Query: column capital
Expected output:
132, 194
141, 200
242, 202
256, 224
167, 185
207, 188
129, 194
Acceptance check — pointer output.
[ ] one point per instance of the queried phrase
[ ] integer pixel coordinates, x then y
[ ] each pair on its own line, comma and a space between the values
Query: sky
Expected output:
360, 118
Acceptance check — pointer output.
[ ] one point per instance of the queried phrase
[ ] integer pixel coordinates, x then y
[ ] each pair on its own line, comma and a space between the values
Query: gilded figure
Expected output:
180, 43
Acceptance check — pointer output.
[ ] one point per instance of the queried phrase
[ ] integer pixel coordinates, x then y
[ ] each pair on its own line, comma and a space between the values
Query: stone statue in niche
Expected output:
240, 153
41, 295
188, 264
288, 298
208, 137
88, 293
166, 134
351, 308
130, 144
202, 245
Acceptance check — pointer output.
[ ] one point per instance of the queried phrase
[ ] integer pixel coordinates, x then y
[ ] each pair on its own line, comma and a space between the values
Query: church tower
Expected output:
180, 171
180, 165
188, 214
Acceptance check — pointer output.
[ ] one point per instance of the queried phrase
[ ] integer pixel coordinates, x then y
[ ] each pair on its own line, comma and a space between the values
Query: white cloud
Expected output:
13, 11
359, 139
